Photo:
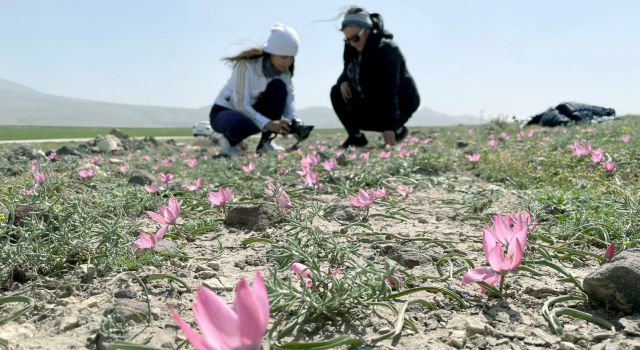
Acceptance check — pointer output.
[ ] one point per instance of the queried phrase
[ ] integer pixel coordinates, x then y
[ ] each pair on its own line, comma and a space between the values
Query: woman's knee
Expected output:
336, 95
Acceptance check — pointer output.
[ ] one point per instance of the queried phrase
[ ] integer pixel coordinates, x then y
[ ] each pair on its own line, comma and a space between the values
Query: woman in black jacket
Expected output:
375, 91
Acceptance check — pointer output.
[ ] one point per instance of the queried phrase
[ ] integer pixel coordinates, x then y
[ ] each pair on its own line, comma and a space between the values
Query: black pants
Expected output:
236, 126
358, 114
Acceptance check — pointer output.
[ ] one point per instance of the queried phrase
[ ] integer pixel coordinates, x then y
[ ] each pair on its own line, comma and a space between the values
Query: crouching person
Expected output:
258, 98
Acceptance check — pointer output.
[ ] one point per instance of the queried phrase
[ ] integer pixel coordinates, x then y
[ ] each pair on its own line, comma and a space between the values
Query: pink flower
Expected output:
167, 215
272, 189
147, 240
504, 135
53, 156
385, 154
248, 168
310, 160
330, 165
597, 155
610, 166
492, 143
404, 191
403, 153
363, 200
224, 328
310, 178
579, 150
281, 156
166, 162
303, 273
221, 198
379, 193
339, 153
427, 140
282, 171
626, 138
365, 155
151, 189
192, 163
124, 168
146, 158
39, 177
531, 133
520, 136
283, 201
508, 227
95, 160
194, 186
166, 178
610, 252
473, 158
86, 173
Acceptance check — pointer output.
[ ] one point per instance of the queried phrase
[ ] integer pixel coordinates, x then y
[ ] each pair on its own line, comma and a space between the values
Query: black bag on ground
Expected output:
572, 112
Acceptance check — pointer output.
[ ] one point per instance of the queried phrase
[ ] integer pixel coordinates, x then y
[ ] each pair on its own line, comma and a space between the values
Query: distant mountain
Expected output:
22, 105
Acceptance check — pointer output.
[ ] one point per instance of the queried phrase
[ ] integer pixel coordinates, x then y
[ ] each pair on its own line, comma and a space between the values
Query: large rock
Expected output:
119, 134
256, 218
109, 143
141, 177
26, 152
617, 284
71, 151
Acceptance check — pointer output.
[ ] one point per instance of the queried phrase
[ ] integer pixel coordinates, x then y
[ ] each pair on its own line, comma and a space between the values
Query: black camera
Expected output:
299, 129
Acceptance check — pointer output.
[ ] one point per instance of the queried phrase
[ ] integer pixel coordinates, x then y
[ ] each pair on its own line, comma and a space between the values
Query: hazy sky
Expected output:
500, 57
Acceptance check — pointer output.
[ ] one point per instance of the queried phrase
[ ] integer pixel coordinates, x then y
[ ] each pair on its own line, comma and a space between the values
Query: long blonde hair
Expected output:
251, 54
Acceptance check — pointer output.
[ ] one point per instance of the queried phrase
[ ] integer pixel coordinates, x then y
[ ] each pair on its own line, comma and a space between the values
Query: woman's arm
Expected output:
242, 96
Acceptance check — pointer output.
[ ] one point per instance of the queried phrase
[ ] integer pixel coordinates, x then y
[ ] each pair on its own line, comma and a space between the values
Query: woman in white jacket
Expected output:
259, 95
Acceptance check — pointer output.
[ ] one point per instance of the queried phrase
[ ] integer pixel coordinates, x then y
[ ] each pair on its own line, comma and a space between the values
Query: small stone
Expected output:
141, 177
630, 325
475, 326
130, 310
166, 246
544, 336
567, 346
253, 218
109, 144
456, 339
68, 323
218, 284
85, 272
214, 265
617, 284
125, 294
89, 303
205, 274
14, 332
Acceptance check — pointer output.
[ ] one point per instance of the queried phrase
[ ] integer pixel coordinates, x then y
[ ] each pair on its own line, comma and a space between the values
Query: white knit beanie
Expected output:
283, 41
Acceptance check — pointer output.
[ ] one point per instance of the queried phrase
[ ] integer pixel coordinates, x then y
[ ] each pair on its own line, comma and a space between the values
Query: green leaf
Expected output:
326, 344
252, 240
16, 299
118, 345
446, 292
160, 276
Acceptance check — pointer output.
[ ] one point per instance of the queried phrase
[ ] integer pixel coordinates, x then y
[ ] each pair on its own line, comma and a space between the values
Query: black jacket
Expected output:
386, 83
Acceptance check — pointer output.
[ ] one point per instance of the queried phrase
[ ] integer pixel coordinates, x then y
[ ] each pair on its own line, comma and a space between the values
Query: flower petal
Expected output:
480, 274
192, 337
260, 292
249, 311
157, 218
219, 324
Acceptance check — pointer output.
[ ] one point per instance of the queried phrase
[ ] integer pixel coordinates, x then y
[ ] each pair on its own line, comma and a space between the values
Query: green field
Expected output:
63, 132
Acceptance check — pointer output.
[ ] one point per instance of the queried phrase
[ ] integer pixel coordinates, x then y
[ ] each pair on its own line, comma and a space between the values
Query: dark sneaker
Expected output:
355, 140
401, 133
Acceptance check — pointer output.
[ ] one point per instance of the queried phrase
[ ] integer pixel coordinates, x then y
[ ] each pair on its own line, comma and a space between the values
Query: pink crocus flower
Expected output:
339, 153
151, 188
192, 163
626, 138
531, 133
282, 171
353, 156
220, 198
403, 153
310, 178
224, 328
379, 193
365, 155
194, 186
86, 173
473, 158
95, 160
427, 140
385, 154
124, 168
504, 135
330, 165
610, 252
39, 177
53, 156
362, 200
148, 240
146, 158
272, 189
492, 143
166, 162
281, 156
404, 191
283, 201
597, 155
610, 166
303, 273
580, 150
167, 215
520, 136
500, 263
166, 178
248, 168
509, 227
